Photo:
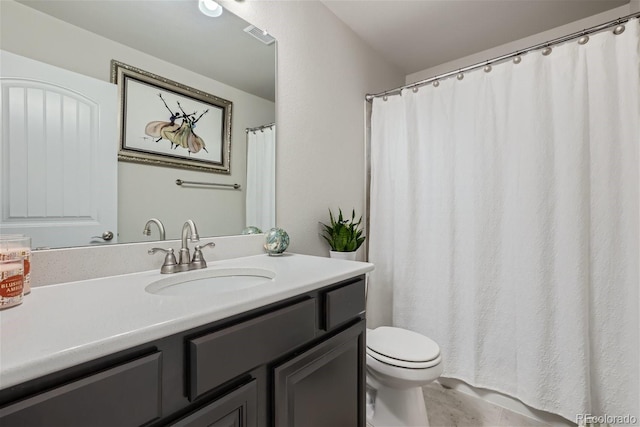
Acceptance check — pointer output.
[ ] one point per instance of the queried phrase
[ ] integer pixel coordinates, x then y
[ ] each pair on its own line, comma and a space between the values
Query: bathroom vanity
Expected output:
286, 352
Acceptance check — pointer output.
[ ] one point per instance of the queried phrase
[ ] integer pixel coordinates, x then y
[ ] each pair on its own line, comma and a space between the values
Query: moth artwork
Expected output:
168, 124
180, 134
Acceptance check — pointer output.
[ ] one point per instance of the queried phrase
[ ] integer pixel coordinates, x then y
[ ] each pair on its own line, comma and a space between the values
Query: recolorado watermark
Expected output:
589, 419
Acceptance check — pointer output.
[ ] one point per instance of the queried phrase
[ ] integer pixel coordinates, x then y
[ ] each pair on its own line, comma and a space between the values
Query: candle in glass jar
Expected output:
18, 246
11, 282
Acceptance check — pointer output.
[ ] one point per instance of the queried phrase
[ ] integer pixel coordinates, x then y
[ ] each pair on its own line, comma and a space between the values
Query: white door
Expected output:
58, 161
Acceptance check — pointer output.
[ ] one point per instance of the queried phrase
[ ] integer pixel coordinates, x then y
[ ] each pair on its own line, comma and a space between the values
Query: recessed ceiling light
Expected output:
210, 8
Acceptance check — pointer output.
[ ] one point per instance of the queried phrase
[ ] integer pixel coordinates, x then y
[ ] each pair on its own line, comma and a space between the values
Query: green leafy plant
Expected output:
343, 235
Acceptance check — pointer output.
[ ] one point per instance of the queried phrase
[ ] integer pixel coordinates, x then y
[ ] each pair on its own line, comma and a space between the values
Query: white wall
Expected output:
145, 191
324, 72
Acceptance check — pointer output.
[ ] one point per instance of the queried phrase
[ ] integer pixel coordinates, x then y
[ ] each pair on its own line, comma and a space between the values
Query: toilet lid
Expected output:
402, 345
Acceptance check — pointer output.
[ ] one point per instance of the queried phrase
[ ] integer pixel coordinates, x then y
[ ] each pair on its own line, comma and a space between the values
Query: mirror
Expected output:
222, 56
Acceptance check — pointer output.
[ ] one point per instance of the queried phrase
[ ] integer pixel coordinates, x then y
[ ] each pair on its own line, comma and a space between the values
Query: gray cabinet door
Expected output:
325, 385
236, 409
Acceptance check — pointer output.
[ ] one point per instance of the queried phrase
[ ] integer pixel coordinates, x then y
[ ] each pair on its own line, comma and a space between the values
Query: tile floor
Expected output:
452, 408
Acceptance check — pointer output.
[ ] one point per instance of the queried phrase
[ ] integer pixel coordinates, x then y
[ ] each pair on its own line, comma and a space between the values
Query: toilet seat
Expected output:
403, 363
402, 348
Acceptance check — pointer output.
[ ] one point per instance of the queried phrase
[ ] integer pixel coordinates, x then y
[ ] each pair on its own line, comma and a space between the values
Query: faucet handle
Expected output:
198, 260
170, 264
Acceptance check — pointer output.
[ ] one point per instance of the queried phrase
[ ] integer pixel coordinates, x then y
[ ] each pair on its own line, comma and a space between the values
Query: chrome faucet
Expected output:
147, 228
171, 265
189, 231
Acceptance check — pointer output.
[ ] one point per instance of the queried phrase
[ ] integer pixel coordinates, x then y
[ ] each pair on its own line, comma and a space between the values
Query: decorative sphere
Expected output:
252, 229
276, 241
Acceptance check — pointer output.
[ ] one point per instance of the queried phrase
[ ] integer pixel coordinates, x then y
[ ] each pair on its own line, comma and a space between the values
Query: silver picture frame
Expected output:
166, 123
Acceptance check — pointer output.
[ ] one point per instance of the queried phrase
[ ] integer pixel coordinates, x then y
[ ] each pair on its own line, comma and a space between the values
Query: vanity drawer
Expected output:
220, 356
343, 303
126, 395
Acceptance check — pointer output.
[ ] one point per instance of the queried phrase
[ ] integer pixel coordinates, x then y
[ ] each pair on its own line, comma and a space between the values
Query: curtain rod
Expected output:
257, 128
517, 53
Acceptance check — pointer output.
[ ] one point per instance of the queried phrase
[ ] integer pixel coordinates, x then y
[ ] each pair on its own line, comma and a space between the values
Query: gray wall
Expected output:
507, 48
145, 191
324, 72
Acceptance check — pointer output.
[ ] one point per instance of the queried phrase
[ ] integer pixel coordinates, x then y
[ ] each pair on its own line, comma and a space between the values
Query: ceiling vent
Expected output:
263, 36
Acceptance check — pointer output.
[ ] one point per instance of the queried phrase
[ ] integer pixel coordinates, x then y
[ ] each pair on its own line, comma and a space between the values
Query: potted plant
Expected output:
343, 235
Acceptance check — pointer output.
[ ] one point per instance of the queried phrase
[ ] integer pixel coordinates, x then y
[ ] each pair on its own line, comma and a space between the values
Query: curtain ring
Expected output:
619, 30
584, 39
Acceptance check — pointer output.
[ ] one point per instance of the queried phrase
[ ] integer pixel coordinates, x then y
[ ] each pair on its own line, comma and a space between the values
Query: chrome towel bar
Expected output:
213, 184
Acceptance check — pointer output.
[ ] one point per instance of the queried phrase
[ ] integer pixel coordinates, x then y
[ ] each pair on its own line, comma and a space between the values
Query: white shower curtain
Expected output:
504, 224
261, 178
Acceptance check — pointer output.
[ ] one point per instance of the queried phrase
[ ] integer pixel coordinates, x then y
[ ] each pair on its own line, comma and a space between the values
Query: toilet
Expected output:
399, 363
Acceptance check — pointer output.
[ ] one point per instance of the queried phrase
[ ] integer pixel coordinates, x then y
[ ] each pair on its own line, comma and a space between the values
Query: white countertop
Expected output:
59, 326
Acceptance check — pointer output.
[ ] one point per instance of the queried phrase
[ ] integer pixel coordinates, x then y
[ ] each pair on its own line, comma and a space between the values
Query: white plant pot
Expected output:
350, 256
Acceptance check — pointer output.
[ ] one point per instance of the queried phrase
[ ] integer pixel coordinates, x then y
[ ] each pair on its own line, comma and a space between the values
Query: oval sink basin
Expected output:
210, 281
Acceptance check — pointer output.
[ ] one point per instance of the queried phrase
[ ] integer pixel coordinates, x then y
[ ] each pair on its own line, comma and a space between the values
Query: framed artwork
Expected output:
166, 123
